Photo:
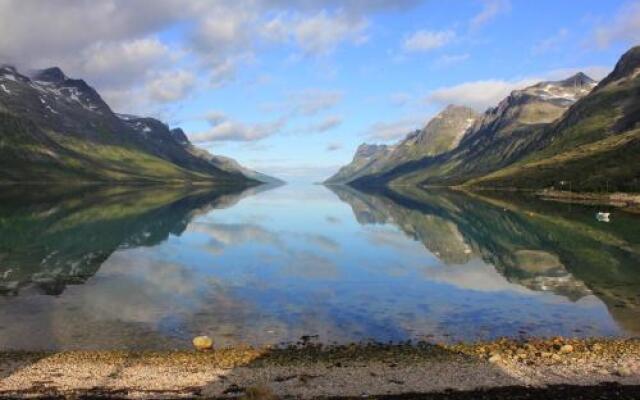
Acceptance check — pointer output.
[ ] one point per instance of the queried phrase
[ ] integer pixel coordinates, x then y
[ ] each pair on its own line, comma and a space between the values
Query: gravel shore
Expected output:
480, 370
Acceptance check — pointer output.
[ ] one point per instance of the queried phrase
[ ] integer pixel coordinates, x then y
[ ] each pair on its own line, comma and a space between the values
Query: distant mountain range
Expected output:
575, 133
57, 129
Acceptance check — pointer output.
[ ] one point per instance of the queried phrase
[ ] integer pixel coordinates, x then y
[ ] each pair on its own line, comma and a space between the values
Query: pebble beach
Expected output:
308, 370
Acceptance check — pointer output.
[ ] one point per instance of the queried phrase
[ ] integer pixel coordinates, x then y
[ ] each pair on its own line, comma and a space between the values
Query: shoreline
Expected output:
626, 201
314, 370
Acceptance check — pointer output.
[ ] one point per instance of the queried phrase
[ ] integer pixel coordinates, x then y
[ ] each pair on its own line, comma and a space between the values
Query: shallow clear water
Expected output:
124, 268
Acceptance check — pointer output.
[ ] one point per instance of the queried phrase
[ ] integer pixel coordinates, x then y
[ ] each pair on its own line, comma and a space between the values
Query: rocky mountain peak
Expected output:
367, 150
179, 135
579, 79
53, 75
446, 129
627, 66
7, 69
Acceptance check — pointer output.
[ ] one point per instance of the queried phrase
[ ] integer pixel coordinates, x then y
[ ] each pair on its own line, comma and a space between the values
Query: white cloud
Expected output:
311, 101
490, 10
478, 94
33, 33
317, 34
423, 40
322, 33
327, 124
624, 27
171, 86
223, 29
122, 63
483, 94
393, 130
224, 129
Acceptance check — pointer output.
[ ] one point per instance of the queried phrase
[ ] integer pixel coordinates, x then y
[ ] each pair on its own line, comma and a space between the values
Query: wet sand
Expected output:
481, 370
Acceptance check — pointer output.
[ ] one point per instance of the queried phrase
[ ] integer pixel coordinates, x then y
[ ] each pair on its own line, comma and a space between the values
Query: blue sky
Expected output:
292, 87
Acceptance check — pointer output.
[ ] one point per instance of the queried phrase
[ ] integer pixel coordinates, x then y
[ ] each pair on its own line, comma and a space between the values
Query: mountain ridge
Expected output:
572, 130
57, 129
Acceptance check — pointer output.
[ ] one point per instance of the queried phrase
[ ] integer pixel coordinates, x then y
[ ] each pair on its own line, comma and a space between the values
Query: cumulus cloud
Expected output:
483, 94
478, 94
224, 129
393, 130
321, 33
317, 34
625, 27
490, 10
35, 32
113, 43
422, 40
171, 86
121, 63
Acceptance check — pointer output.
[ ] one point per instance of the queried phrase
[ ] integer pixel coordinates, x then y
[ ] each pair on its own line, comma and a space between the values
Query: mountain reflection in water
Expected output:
540, 245
151, 268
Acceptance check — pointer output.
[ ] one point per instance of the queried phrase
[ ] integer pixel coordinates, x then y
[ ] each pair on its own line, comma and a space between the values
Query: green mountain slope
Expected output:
57, 129
594, 146
503, 135
441, 134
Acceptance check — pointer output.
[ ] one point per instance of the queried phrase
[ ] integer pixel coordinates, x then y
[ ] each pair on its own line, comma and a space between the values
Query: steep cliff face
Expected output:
57, 129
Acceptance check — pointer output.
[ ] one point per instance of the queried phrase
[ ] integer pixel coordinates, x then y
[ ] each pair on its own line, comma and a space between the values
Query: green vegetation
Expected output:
76, 229
529, 241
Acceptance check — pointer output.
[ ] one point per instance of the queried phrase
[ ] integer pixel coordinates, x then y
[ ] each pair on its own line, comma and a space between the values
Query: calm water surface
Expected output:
124, 268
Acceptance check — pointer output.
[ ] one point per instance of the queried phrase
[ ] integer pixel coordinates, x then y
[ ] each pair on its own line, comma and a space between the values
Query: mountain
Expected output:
366, 156
499, 137
571, 134
57, 236
441, 134
530, 242
57, 129
593, 147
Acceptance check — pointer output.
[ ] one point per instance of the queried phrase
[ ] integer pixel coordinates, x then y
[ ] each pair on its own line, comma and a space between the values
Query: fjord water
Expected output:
151, 268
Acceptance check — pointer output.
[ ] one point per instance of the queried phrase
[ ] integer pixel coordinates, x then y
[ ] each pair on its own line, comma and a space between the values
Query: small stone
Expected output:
556, 357
596, 347
603, 371
623, 372
202, 343
495, 359
566, 349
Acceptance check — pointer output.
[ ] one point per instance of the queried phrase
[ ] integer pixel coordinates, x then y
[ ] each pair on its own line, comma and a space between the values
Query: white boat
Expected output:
603, 216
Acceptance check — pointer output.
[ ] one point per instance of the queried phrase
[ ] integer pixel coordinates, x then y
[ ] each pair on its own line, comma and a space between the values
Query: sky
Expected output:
291, 88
